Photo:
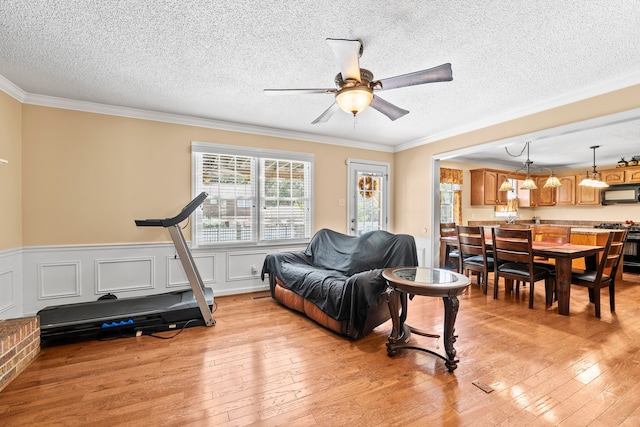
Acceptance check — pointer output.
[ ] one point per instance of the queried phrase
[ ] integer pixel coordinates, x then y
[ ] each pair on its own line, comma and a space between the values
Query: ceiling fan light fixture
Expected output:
354, 100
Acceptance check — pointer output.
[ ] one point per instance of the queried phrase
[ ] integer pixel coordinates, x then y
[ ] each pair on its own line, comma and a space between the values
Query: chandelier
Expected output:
529, 183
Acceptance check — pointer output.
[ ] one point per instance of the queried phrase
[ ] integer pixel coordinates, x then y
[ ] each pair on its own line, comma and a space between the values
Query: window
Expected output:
254, 196
446, 203
450, 195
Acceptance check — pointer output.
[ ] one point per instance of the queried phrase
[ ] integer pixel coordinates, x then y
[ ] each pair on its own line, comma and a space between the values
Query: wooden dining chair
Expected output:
513, 261
473, 254
604, 276
451, 256
550, 234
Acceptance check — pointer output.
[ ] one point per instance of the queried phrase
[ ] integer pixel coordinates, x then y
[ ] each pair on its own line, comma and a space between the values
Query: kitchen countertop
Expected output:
582, 230
575, 229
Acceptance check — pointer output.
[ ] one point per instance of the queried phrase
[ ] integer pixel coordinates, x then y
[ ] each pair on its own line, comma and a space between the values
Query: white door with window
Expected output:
368, 196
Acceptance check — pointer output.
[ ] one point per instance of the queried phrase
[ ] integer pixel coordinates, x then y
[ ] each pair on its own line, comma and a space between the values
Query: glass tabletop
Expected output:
430, 276
426, 281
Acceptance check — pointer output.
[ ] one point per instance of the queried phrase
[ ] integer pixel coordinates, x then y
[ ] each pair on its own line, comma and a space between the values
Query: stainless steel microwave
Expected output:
626, 193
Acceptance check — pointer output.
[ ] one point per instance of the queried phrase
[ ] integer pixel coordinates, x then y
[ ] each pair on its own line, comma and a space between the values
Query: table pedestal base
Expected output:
401, 332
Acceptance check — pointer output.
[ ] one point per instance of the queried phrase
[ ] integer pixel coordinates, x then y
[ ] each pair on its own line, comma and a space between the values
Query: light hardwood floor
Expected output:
263, 364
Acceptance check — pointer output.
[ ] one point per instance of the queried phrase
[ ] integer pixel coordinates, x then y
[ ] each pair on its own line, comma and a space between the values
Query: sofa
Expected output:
337, 281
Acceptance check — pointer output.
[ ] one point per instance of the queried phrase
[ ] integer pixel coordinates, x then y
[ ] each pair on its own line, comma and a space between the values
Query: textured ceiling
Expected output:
212, 59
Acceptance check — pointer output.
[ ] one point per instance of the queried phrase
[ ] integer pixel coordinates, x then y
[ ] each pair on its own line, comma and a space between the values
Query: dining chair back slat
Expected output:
514, 226
447, 229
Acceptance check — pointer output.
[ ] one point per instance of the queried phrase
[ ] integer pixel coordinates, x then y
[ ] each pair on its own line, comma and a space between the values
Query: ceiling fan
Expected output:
355, 85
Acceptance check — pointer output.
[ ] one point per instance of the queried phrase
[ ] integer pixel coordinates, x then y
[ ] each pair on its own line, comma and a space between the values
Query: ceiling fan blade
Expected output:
297, 91
324, 117
347, 54
441, 73
387, 108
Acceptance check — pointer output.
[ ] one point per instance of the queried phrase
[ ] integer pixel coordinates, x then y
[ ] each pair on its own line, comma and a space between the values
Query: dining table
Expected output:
562, 253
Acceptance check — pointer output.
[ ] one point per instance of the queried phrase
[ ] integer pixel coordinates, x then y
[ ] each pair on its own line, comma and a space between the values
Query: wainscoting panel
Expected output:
125, 274
244, 265
7, 291
205, 263
11, 293
59, 280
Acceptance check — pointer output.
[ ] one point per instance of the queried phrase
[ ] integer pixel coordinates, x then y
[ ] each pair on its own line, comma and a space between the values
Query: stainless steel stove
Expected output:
631, 260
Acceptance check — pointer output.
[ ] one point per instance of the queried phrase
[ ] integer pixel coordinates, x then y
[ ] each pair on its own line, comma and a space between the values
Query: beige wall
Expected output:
88, 176
11, 173
414, 189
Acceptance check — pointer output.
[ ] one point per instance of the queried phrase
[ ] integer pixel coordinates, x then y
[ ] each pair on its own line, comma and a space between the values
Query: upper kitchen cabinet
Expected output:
484, 187
587, 196
570, 193
544, 196
621, 175
566, 193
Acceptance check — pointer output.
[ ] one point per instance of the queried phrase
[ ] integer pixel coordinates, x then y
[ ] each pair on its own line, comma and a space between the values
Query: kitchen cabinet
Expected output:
587, 196
544, 196
484, 187
566, 193
627, 175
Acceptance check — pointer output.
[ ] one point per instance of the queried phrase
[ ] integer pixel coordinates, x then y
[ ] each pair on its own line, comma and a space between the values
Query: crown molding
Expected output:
12, 90
114, 110
581, 94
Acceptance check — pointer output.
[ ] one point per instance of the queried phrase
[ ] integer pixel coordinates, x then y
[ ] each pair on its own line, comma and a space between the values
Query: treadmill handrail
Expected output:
168, 222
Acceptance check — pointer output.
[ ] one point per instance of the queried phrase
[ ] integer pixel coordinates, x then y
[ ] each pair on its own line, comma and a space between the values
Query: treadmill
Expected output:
110, 317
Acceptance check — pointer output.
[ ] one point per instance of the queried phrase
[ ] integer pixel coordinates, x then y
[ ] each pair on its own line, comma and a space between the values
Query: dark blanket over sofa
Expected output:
341, 275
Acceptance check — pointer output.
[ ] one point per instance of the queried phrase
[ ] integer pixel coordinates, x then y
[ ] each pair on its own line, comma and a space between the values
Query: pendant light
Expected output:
506, 185
593, 180
552, 181
529, 183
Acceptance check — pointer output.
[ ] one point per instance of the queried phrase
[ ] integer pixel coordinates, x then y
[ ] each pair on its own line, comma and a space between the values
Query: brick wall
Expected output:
19, 345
